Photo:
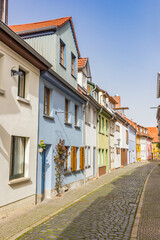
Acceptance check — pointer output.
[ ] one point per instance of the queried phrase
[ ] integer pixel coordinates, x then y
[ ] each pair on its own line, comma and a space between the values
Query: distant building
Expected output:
153, 132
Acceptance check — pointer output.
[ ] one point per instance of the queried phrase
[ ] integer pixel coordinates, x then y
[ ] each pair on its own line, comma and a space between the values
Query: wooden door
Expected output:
122, 157
125, 157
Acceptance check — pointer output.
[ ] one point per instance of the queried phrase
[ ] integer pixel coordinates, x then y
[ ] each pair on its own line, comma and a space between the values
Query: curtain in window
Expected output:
18, 155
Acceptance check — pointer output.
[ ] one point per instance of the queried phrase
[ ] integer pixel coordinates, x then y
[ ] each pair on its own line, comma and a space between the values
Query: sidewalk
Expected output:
12, 227
149, 225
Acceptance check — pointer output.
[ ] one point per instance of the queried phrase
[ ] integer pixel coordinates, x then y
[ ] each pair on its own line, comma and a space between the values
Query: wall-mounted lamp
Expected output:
15, 72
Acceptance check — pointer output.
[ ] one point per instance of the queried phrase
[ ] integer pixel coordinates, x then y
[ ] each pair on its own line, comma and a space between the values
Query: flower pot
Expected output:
40, 150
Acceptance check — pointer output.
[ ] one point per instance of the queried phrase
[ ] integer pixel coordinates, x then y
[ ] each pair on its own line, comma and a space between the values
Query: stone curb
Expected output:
134, 232
66, 206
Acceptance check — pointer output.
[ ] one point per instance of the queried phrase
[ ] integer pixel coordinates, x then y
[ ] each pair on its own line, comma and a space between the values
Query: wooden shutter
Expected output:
81, 157
88, 88
73, 158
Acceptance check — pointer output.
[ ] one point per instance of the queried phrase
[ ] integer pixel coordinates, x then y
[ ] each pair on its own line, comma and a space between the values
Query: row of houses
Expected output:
46, 94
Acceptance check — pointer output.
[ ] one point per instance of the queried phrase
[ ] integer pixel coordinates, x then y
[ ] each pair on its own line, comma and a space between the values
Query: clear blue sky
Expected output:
121, 39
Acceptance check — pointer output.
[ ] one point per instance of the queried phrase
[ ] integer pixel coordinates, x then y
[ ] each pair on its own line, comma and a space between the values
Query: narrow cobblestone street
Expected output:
107, 213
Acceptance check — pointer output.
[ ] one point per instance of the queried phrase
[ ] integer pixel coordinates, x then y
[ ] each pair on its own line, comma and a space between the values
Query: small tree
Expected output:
59, 160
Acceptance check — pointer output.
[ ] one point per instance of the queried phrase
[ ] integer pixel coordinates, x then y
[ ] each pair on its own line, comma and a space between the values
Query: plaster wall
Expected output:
90, 142
51, 130
132, 146
17, 118
118, 135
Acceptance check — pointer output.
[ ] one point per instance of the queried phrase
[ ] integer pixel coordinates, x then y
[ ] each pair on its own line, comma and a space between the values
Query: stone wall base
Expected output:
17, 207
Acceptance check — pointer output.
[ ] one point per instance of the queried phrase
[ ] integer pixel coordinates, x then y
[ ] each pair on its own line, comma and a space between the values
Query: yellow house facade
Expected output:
103, 144
138, 147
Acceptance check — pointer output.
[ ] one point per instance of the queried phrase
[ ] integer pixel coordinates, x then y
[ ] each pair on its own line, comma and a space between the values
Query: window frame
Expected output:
20, 82
66, 111
12, 162
76, 115
62, 52
48, 101
73, 65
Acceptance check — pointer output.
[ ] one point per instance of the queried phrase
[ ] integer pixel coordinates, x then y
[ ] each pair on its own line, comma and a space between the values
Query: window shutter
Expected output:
88, 88
72, 160
81, 157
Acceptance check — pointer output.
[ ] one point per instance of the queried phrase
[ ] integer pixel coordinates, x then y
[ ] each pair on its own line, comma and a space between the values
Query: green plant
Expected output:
42, 145
59, 160
158, 145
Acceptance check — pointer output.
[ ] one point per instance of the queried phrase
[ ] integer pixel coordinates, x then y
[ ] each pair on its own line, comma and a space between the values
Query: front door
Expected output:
122, 157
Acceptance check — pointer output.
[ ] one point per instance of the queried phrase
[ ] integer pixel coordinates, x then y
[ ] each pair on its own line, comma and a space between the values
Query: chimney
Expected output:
118, 99
4, 11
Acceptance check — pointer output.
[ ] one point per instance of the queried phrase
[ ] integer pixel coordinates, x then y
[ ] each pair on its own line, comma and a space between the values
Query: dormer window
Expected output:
62, 53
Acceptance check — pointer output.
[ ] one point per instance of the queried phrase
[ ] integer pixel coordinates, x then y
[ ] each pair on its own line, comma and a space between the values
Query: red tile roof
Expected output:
55, 22
153, 131
82, 62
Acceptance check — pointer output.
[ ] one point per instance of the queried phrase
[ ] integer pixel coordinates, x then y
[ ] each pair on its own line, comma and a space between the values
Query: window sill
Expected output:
68, 124
2, 92
78, 127
24, 100
47, 116
101, 133
73, 76
19, 180
69, 172
94, 127
62, 66
112, 135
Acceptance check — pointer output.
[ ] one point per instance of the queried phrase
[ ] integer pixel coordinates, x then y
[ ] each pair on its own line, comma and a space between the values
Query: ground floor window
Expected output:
18, 145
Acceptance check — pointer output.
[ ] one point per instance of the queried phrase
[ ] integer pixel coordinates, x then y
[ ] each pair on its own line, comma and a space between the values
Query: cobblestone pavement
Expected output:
149, 225
107, 213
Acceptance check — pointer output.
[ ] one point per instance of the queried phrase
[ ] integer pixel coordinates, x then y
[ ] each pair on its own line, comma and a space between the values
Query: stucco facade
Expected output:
117, 139
138, 147
143, 149
19, 118
48, 45
149, 149
54, 127
132, 145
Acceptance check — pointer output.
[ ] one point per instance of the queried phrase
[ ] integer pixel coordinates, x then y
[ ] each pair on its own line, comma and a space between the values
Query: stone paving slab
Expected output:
13, 225
107, 213
149, 225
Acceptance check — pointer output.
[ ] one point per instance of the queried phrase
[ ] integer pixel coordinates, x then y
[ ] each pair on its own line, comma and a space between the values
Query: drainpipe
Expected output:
4, 11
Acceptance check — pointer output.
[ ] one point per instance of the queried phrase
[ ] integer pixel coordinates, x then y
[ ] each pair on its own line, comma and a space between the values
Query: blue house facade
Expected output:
60, 117
132, 145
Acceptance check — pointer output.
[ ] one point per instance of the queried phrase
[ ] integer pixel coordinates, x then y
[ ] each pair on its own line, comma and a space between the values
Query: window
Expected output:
81, 157
21, 84
103, 163
94, 119
17, 157
112, 154
89, 156
73, 65
66, 110
99, 123
102, 124
66, 162
111, 128
118, 150
46, 100
89, 114
106, 127
126, 137
62, 53
76, 108
99, 159
117, 128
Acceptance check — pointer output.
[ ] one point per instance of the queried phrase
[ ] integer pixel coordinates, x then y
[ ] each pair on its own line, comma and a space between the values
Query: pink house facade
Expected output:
149, 149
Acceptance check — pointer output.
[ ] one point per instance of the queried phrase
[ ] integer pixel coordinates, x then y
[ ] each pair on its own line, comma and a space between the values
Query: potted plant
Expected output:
41, 146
